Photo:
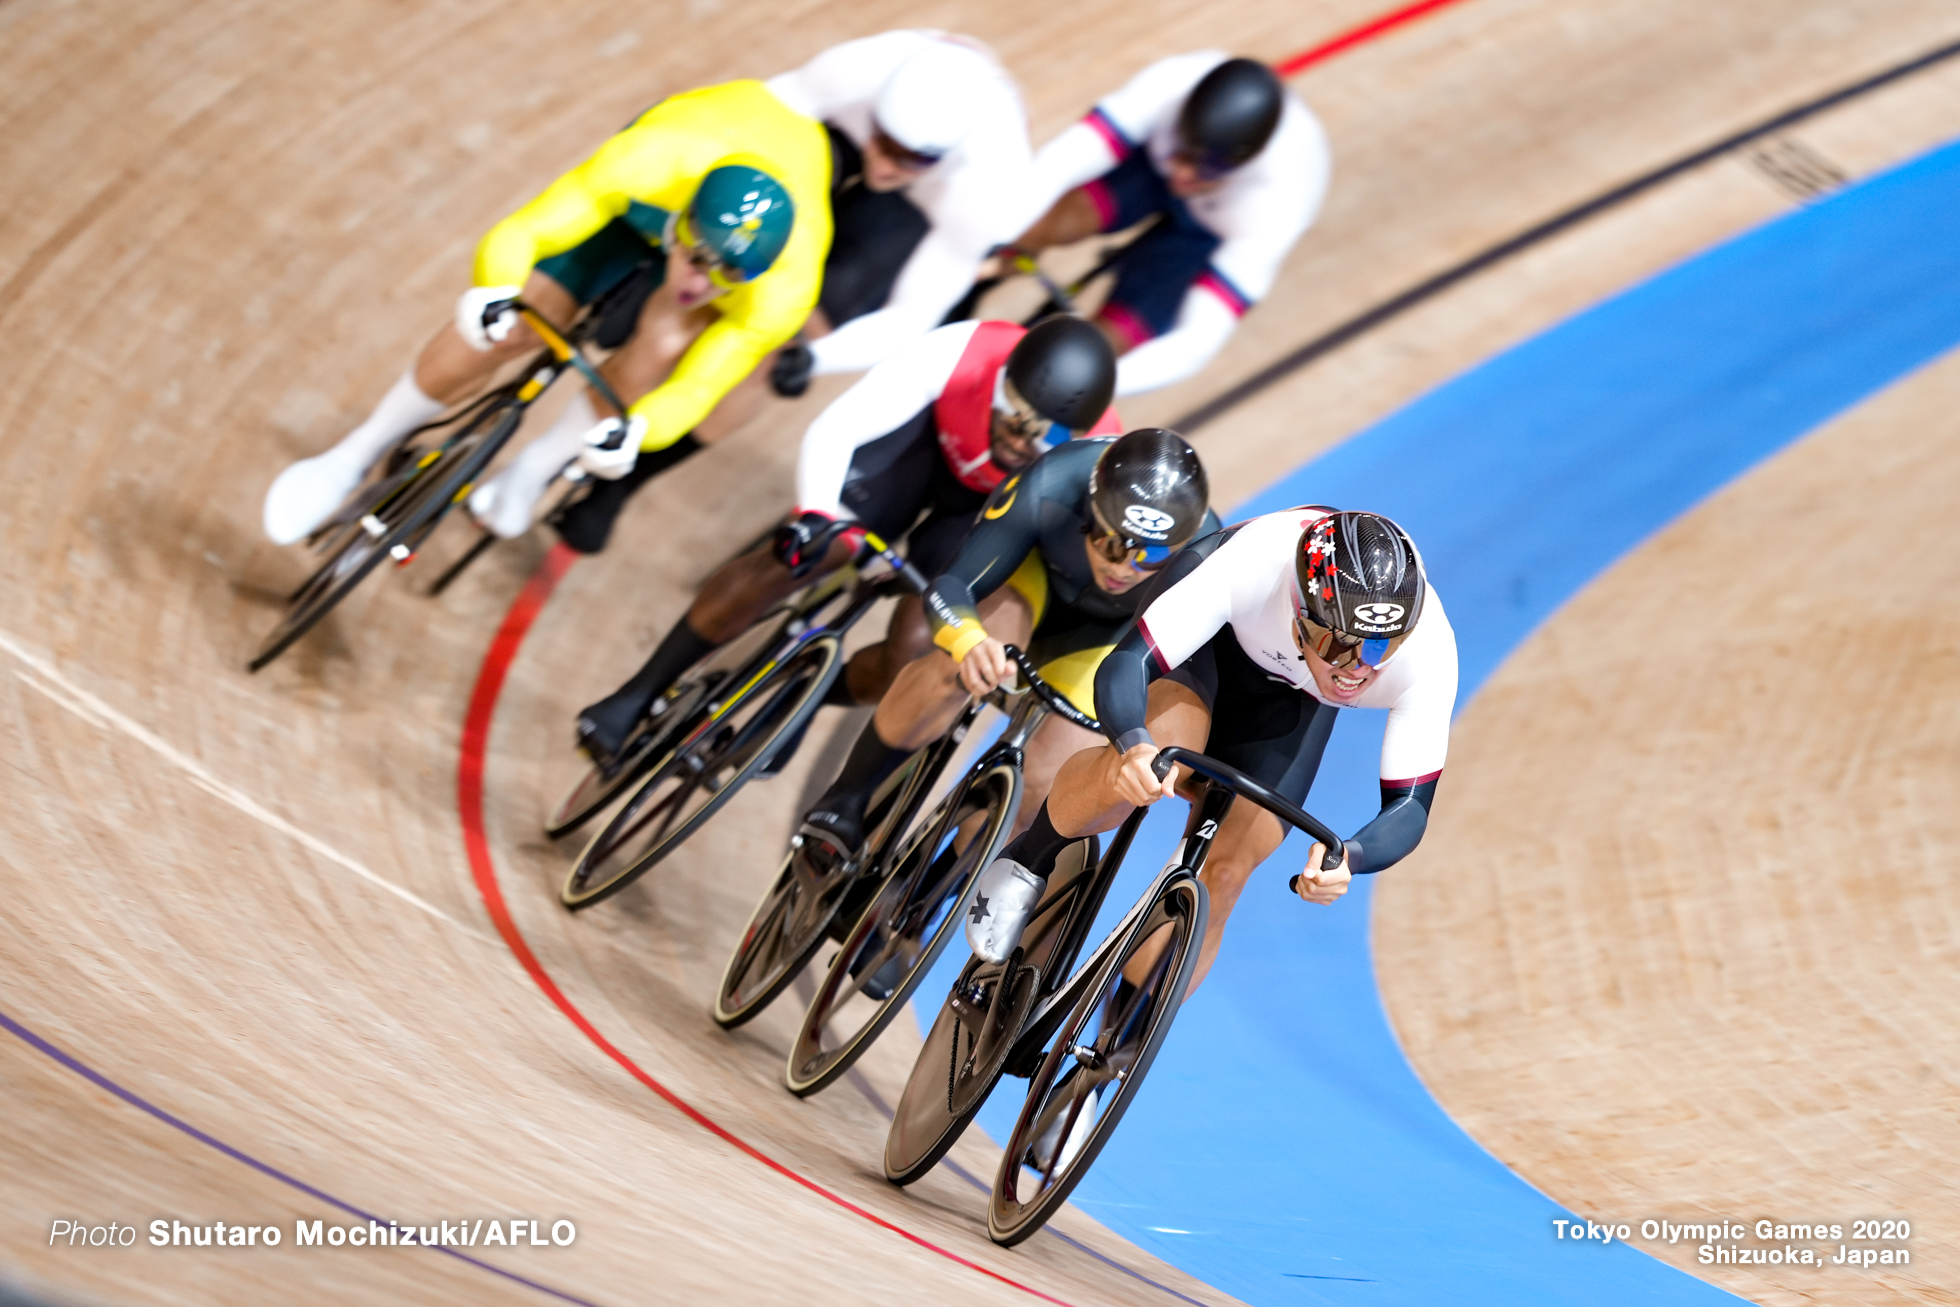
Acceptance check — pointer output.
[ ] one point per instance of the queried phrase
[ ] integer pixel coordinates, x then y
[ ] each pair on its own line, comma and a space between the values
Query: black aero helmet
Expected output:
1149, 491
1361, 587
1065, 370
1230, 115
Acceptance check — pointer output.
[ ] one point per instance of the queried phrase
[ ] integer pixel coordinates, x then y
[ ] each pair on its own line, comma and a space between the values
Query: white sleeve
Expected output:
883, 399
1204, 324
932, 281
847, 74
1416, 741
1179, 621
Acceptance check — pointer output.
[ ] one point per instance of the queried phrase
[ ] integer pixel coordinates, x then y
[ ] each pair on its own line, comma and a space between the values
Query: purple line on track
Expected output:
101, 1081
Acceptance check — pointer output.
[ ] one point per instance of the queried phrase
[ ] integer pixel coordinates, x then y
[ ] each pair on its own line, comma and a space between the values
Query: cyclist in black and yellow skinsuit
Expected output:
1056, 565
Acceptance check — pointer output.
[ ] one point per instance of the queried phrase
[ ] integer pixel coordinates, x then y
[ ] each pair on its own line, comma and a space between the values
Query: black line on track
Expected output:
1361, 323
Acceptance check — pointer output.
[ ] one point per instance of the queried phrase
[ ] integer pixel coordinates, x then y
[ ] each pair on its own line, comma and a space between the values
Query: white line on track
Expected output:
49, 681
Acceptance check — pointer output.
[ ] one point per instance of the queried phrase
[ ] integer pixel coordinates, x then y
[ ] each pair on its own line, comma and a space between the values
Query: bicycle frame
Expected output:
801, 631
1082, 898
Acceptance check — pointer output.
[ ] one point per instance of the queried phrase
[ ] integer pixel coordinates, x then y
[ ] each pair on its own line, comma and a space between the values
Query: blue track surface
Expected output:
1282, 1149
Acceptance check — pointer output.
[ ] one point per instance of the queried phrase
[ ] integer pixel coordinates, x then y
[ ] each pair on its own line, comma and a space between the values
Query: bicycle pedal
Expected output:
374, 526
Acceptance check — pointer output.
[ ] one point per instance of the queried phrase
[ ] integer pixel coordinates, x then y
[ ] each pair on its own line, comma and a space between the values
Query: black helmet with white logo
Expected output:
1149, 491
1361, 584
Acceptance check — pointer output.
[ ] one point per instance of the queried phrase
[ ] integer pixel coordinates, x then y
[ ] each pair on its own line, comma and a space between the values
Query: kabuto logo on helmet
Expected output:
1148, 522
1378, 616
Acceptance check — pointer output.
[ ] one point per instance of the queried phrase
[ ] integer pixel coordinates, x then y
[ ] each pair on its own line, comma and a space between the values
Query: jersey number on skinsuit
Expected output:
997, 510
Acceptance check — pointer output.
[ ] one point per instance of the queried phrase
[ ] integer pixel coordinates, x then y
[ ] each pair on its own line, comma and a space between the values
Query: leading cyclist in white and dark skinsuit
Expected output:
1236, 168
1261, 634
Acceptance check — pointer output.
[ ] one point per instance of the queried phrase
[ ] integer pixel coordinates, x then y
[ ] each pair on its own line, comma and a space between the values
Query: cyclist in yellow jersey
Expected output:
717, 200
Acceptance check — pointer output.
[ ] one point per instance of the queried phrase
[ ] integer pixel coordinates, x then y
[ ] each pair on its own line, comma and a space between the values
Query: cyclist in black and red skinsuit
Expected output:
930, 430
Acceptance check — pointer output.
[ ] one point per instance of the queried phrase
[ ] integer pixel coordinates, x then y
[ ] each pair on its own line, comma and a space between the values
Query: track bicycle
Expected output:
1085, 1035
729, 721
414, 487
898, 904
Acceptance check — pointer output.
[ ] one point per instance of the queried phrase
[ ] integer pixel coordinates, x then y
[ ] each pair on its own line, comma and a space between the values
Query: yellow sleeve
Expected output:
650, 161
713, 365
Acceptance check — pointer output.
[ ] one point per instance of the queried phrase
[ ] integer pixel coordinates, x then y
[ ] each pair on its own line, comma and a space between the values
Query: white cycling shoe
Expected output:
306, 494
499, 511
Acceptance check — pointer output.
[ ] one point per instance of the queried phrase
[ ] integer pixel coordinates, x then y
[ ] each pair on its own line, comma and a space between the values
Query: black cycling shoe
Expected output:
877, 986
605, 727
838, 820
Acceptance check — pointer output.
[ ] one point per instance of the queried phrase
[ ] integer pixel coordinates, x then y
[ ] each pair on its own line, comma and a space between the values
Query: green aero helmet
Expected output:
742, 217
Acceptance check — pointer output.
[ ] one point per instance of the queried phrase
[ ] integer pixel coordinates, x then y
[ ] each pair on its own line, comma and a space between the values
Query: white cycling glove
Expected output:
612, 447
485, 316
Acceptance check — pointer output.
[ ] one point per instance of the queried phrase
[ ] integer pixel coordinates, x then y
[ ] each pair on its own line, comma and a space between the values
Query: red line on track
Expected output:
469, 803
1354, 36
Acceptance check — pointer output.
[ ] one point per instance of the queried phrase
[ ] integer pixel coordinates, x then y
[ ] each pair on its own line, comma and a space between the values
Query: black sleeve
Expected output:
1123, 677
1395, 830
1008, 528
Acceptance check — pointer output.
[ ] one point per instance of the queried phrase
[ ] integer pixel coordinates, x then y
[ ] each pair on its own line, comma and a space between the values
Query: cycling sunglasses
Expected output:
1338, 648
725, 276
903, 155
1144, 558
1114, 547
1027, 422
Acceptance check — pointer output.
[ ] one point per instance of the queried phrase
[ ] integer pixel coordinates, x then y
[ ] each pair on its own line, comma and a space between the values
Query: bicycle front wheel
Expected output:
1097, 1062
396, 511
904, 929
721, 751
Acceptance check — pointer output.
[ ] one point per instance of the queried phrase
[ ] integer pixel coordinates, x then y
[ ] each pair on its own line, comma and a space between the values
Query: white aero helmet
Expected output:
931, 101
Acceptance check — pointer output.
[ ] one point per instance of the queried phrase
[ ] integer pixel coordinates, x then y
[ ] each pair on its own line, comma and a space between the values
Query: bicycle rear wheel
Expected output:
904, 929
395, 511
720, 752
1097, 1062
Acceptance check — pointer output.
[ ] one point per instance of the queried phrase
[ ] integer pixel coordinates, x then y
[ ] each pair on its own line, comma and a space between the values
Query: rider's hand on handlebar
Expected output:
790, 376
485, 316
1136, 780
612, 447
985, 666
792, 542
1322, 887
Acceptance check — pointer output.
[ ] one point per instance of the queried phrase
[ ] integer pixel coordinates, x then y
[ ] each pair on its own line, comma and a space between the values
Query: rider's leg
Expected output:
1247, 837
731, 600
667, 329
446, 372
920, 706
868, 677
1054, 743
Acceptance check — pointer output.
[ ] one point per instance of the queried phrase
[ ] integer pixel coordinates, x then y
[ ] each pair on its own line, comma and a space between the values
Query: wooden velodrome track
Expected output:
247, 900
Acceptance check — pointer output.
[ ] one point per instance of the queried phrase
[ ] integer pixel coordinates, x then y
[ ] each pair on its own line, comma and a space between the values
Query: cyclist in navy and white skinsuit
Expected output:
1261, 634
930, 144
1235, 165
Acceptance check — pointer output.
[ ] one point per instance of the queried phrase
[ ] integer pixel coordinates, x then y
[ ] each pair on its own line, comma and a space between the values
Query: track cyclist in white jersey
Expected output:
1232, 167
930, 143
1262, 633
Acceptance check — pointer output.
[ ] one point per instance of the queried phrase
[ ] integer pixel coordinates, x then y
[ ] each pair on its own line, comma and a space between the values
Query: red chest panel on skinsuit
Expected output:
964, 408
